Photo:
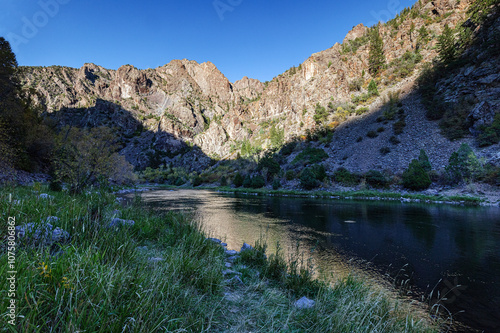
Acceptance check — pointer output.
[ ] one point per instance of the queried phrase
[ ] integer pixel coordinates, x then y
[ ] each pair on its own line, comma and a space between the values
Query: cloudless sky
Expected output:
255, 38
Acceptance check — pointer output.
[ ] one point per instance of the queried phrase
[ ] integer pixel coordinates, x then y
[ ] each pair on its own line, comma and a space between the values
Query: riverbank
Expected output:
451, 197
115, 268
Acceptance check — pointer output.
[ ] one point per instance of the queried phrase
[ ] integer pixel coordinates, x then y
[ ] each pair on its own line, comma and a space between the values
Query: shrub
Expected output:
277, 137
55, 186
372, 88
257, 182
492, 175
308, 179
376, 179
345, 177
385, 150
197, 181
320, 114
272, 166
247, 182
361, 110
380, 129
454, 124
89, 157
356, 84
223, 181
290, 175
416, 177
463, 165
238, 180
399, 126
359, 139
319, 172
311, 156
288, 148
372, 134
490, 134
423, 159
394, 140
276, 184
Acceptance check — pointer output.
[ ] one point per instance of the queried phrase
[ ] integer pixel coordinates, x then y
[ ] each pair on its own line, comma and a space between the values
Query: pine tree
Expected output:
424, 161
372, 88
10, 107
446, 45
376, 59
463, 165
416, 177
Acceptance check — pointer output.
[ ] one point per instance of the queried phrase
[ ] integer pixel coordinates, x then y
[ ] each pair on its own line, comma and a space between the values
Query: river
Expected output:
442, 254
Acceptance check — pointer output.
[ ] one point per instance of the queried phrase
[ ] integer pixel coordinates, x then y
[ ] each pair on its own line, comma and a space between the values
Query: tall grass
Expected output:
102, 279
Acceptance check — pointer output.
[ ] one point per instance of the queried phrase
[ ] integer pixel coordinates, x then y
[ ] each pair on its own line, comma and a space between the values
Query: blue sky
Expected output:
255, 38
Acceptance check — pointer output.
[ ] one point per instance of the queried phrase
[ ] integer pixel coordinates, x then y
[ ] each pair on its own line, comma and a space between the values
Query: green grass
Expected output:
358, 195
102, 281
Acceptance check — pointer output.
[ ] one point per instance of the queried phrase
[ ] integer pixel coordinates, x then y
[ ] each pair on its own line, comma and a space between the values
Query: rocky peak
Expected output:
356, 32
185, 101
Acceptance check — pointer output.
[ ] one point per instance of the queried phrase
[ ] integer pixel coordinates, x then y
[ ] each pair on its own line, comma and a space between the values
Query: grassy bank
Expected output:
357, 195
106, 280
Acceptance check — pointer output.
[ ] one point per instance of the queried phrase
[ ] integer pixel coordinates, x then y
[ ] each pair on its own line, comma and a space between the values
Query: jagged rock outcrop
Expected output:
161, 112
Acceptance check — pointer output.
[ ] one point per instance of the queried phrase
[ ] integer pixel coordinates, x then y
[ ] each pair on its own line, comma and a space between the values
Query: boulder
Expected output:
45, 196
116, 222
483, 114
246, 247
215, 240
231, 252
41, 234
304, 303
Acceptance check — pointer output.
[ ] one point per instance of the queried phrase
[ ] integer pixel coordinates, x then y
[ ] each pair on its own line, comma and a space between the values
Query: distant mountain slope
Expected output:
159, 112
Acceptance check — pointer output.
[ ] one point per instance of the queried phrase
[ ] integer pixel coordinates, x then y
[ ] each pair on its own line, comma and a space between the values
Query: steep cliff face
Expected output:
158, 111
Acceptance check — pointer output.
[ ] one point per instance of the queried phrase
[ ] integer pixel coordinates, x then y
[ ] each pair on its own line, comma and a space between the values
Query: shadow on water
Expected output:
449, 254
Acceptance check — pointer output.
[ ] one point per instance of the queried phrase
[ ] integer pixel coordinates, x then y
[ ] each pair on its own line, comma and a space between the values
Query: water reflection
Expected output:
422, 243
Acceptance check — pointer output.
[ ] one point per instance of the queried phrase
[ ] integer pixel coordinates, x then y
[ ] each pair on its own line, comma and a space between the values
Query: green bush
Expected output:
308, 179
290, 175
276, 184
372, 88
416, 177
399, 126
247, 182
394, 140
345, 177
319, 171
490, 134
376, 179
385, 150
238, 180
272, 166
454, 124
372, 134
463, 165
311, 156
257, 181
492, 175
320, 114
197, 181
423, 159
223, 181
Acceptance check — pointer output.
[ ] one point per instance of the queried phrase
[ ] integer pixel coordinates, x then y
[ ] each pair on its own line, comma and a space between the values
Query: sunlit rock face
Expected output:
186, 104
